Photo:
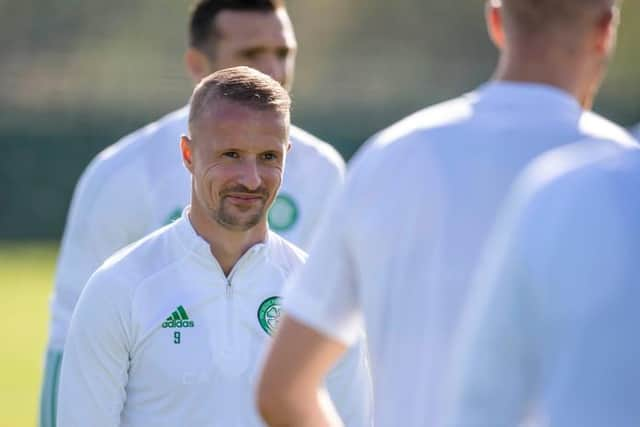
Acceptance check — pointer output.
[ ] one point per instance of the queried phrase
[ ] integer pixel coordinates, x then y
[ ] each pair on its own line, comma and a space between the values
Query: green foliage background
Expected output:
76, 75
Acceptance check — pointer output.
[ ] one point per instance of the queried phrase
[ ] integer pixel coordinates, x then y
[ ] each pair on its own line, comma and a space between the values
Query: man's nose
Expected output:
249, 175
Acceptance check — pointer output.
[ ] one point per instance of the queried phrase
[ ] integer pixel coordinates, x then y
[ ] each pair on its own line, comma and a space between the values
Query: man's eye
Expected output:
250, 54
231, 154
283, 53
269, 156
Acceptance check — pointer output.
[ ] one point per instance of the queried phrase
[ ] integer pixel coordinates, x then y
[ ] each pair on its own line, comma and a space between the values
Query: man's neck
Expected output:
550, 69
227, 246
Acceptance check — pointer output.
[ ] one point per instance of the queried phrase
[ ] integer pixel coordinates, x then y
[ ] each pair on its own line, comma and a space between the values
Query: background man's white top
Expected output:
399, 246
128, 362
140, 184
552, 329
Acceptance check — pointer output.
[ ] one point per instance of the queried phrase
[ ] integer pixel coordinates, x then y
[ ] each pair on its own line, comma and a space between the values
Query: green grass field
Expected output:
26, 272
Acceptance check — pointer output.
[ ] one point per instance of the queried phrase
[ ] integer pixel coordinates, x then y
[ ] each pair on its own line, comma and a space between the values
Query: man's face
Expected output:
261, 40
238, 156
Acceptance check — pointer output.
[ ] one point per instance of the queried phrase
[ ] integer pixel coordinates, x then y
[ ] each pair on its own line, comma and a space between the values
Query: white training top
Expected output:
551, 334
140, 184
160, 337
399, 245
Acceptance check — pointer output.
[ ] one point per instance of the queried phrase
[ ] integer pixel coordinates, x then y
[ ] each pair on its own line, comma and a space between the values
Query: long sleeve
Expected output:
96, 359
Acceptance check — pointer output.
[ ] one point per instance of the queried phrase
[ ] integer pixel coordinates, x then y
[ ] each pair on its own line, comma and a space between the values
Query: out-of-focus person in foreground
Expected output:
397, 251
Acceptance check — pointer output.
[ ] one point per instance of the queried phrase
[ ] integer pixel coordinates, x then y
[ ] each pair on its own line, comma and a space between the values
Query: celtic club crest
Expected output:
283, 214
269, 314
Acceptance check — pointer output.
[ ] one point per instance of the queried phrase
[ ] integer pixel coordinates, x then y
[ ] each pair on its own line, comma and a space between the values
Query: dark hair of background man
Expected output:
204, 12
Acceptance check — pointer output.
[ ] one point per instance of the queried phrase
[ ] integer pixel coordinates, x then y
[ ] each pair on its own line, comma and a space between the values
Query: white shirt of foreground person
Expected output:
551, 334
161, 337
399, 247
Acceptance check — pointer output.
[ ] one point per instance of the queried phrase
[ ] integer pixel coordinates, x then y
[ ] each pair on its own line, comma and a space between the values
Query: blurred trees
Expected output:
75, 75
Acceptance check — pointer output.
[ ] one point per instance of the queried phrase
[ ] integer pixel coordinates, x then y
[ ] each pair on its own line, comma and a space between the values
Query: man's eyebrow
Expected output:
254, 49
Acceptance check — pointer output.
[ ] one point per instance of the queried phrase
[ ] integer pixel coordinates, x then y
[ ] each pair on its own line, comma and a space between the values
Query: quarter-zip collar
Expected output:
201, 250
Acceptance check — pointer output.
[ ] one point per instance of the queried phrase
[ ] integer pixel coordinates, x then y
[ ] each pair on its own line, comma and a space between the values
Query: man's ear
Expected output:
607, 30
186, 149
495, 24
197, 64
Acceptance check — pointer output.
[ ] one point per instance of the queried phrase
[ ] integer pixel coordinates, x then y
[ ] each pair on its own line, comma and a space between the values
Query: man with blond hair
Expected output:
139, 184
170, 330
397, 251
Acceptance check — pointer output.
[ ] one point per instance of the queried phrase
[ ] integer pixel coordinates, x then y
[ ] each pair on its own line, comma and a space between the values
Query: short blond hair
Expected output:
242, 85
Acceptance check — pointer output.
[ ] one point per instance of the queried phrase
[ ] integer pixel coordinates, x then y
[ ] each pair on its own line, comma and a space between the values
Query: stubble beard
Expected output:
234, 222
223, 214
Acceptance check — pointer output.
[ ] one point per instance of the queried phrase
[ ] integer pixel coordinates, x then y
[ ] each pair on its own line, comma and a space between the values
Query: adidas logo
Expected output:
178, 319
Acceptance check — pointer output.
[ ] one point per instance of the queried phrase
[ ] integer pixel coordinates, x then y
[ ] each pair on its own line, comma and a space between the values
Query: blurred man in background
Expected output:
398, 249
550, 336
170, 330
140, 184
